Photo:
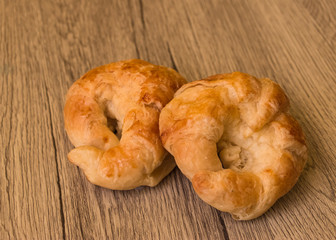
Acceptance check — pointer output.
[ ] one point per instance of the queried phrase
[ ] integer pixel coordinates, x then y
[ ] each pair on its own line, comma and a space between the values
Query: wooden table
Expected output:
46, 45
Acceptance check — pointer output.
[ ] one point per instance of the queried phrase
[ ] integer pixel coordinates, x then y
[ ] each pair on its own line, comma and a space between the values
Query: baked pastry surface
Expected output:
232, 136
120, 99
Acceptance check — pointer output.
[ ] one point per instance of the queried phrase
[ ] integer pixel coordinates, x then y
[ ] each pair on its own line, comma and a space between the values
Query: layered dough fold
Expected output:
232, 136
120, 100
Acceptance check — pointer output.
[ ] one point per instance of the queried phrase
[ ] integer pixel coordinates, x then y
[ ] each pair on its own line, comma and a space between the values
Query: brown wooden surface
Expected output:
46, 45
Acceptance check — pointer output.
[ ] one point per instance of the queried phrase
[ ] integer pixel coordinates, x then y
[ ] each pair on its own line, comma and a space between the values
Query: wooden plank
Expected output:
30, 197
47, 45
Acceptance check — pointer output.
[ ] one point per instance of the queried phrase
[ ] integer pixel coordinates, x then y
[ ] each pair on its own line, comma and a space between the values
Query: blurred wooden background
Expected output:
46, 45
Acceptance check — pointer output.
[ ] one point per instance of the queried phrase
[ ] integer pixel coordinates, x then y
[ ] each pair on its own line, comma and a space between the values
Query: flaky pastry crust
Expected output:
232, 136
123, 98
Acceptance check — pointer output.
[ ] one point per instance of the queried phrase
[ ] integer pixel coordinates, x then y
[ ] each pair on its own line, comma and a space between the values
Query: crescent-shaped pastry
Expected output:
120, 99
232, 136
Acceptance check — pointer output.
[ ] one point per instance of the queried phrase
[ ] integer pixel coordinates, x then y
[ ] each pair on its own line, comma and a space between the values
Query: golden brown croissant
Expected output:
239, 123
126, 97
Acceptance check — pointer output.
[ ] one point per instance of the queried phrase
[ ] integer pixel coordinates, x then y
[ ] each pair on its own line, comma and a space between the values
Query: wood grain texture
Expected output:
46, 45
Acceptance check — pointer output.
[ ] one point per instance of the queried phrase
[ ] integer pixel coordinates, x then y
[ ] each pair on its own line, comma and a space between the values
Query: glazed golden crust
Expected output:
132, 93
241, 123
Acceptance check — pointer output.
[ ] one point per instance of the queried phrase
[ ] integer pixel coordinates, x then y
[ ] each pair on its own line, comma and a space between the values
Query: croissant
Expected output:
232, 136
120, 99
